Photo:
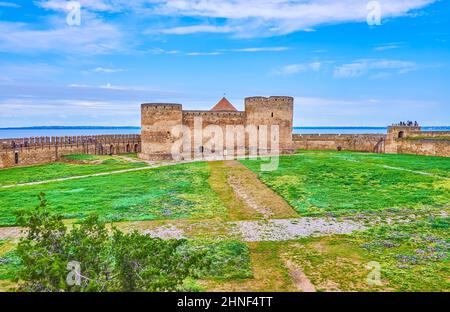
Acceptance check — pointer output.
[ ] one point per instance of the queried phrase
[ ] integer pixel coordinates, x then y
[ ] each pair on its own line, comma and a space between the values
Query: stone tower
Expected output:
398, 132
265, 125
157, 121
274, 110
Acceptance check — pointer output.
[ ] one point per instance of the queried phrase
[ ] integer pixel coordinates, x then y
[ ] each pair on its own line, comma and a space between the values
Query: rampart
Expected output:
160, 121
373, 143
38, 150
412, 140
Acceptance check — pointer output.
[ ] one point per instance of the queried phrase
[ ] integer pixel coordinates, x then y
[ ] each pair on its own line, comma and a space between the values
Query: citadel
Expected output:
264, 127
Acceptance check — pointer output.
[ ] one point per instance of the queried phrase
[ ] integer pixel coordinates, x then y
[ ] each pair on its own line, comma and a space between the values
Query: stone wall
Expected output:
40, 150
431, 147
412, 140
373, 143
429, 134
204, 119
160, 119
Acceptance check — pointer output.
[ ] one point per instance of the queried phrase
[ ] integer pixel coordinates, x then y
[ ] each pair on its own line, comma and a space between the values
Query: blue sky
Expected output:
341, 71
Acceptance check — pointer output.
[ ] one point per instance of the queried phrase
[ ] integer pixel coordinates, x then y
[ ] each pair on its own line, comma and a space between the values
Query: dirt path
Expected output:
242, 193
255, 194
10, 232
246, 230
269, 272
289, 229
134, 160
300, 280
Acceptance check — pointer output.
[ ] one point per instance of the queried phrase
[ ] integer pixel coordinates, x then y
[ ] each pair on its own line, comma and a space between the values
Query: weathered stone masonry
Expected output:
39, 150
373, 143
412, 140
158, 119
398, 140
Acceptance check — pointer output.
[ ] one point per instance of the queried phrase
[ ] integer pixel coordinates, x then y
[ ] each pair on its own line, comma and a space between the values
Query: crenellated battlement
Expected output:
212, 113
270, 99
159, 119
46, 141
161, 107
40, 150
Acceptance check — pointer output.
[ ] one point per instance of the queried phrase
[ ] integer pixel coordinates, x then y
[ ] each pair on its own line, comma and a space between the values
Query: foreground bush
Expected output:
87, 258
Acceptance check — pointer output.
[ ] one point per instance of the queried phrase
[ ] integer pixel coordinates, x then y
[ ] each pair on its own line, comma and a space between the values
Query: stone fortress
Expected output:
157, 139
260, 115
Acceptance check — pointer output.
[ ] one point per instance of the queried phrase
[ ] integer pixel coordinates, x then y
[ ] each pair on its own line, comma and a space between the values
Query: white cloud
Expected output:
221, 51
94, 5
203, 53
274, 17
196, 29
378, 68
297, 68
107, 70
92, 37
162, 51
247, 18
362, 111
260, 49
109, 86
389, 46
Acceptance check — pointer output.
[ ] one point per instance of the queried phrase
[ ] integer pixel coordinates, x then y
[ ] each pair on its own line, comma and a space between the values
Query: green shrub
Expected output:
118, 262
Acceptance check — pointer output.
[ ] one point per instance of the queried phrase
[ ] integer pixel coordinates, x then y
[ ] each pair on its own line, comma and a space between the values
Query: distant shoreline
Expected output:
55, 131
137, 127
70, 127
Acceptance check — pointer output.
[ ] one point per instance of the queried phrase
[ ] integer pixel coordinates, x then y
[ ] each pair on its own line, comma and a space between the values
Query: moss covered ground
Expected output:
410, 194
316, 183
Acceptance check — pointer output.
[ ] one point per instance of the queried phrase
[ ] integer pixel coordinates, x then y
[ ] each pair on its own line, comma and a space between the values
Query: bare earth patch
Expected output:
300, 280
255, 194
248, 199
10, 232
166, 232
269, 273
289, 229
249, 231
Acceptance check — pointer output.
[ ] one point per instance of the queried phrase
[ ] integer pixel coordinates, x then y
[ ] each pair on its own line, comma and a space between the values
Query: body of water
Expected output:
355, 130
9, 133
6, 133
339, 130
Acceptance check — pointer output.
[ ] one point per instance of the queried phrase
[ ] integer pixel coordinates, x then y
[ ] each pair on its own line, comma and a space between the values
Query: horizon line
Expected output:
138, 127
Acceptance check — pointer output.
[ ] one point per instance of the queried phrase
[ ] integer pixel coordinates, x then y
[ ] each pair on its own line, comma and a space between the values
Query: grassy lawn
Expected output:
269, 272
411, 257
435, 165
320, 182
162, 193
199, 197
9, 264
224, 172
82, 165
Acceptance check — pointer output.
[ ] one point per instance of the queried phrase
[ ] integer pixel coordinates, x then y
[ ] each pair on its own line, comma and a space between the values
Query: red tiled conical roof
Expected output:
224, 106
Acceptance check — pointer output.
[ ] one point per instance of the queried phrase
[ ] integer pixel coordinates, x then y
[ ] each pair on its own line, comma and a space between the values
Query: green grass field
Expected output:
93, 164
162, 193
413, 255
319, 182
